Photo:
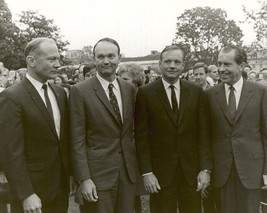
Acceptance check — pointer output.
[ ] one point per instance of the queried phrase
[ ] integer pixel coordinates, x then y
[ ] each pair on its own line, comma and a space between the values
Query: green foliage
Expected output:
206, 30
258, 18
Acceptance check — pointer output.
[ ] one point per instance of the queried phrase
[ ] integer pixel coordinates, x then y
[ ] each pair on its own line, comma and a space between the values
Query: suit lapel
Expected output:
103, 97
221, 97
183, 100
246, 95
40, 104
164, 100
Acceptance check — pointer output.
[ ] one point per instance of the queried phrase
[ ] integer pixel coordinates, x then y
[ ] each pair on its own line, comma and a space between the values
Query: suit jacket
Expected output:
161, 142
242, 141
33, 155
96, 135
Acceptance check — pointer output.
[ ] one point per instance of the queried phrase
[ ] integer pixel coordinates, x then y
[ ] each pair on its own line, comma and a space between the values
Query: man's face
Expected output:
106, 59
58, 81
200, 76
229, 70
214, 74
46, 61
171, 65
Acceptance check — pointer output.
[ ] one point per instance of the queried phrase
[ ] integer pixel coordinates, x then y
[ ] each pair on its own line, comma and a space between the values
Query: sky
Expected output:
139, 26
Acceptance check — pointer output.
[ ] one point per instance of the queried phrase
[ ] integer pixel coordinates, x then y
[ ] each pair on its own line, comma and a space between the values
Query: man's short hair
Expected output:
199, 65
88, 67
110, 40
172, 47
240, 54
34, 44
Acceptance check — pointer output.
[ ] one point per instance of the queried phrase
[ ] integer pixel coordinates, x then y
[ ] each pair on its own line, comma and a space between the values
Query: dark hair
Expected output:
88, 67
35, 44
110, 40
248, 67
171, 47
199, 65
240, 54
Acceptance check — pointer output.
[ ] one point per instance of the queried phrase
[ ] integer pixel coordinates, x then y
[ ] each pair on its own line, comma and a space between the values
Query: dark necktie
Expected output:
114, 103
174, 102
232, 102
47, 101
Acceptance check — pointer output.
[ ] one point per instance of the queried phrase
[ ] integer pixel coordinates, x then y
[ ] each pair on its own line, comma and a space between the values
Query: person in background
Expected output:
213, 75
200, 71
89, 70
252, 76
34, 134
102, 146
237, 119
247, 68
133, 73
173, 159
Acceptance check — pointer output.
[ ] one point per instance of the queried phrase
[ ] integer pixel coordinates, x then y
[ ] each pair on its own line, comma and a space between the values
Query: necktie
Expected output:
232, 102
174, 102
114, 103
47, 101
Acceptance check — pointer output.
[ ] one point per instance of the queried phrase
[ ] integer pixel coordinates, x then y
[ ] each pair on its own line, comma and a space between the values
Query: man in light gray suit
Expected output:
103, 151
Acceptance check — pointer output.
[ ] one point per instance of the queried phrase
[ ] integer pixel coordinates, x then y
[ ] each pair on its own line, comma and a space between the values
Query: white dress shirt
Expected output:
56, 113
168, 90
116, 90
238, 89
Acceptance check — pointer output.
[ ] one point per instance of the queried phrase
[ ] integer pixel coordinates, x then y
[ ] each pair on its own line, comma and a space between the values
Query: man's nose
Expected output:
57, 64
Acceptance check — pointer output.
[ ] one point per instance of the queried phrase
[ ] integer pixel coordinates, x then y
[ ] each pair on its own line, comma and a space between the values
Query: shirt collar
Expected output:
238, 85
37, 84
104, 83
167, 84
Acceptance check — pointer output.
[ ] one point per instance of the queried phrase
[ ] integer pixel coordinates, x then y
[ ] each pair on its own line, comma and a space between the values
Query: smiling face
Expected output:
171, 65
229, 70
106, 59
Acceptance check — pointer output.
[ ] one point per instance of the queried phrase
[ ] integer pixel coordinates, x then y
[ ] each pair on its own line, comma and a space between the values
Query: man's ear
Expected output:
30, 61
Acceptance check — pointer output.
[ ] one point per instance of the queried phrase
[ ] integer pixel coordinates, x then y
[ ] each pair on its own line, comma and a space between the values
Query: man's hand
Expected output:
32, 204
203, 181
88, 190
151, 183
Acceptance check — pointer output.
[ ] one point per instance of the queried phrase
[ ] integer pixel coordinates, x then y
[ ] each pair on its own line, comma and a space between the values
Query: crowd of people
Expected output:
194, 141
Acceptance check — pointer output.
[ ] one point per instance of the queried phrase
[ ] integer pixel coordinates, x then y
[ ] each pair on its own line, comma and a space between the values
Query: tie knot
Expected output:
110, 86
232, 88
44, 87
171, 86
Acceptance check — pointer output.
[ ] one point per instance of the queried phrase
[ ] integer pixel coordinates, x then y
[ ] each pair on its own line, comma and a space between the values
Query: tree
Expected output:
34, 25
8, 38
206, 30
258, 18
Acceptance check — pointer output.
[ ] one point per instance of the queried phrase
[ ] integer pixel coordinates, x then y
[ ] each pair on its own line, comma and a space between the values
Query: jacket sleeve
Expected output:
78, 135
142, 133
12, 146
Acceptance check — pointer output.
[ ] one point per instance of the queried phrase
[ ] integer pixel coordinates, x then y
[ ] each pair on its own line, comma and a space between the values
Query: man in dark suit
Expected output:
103, 151
168, 138
237, 115
33, 134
